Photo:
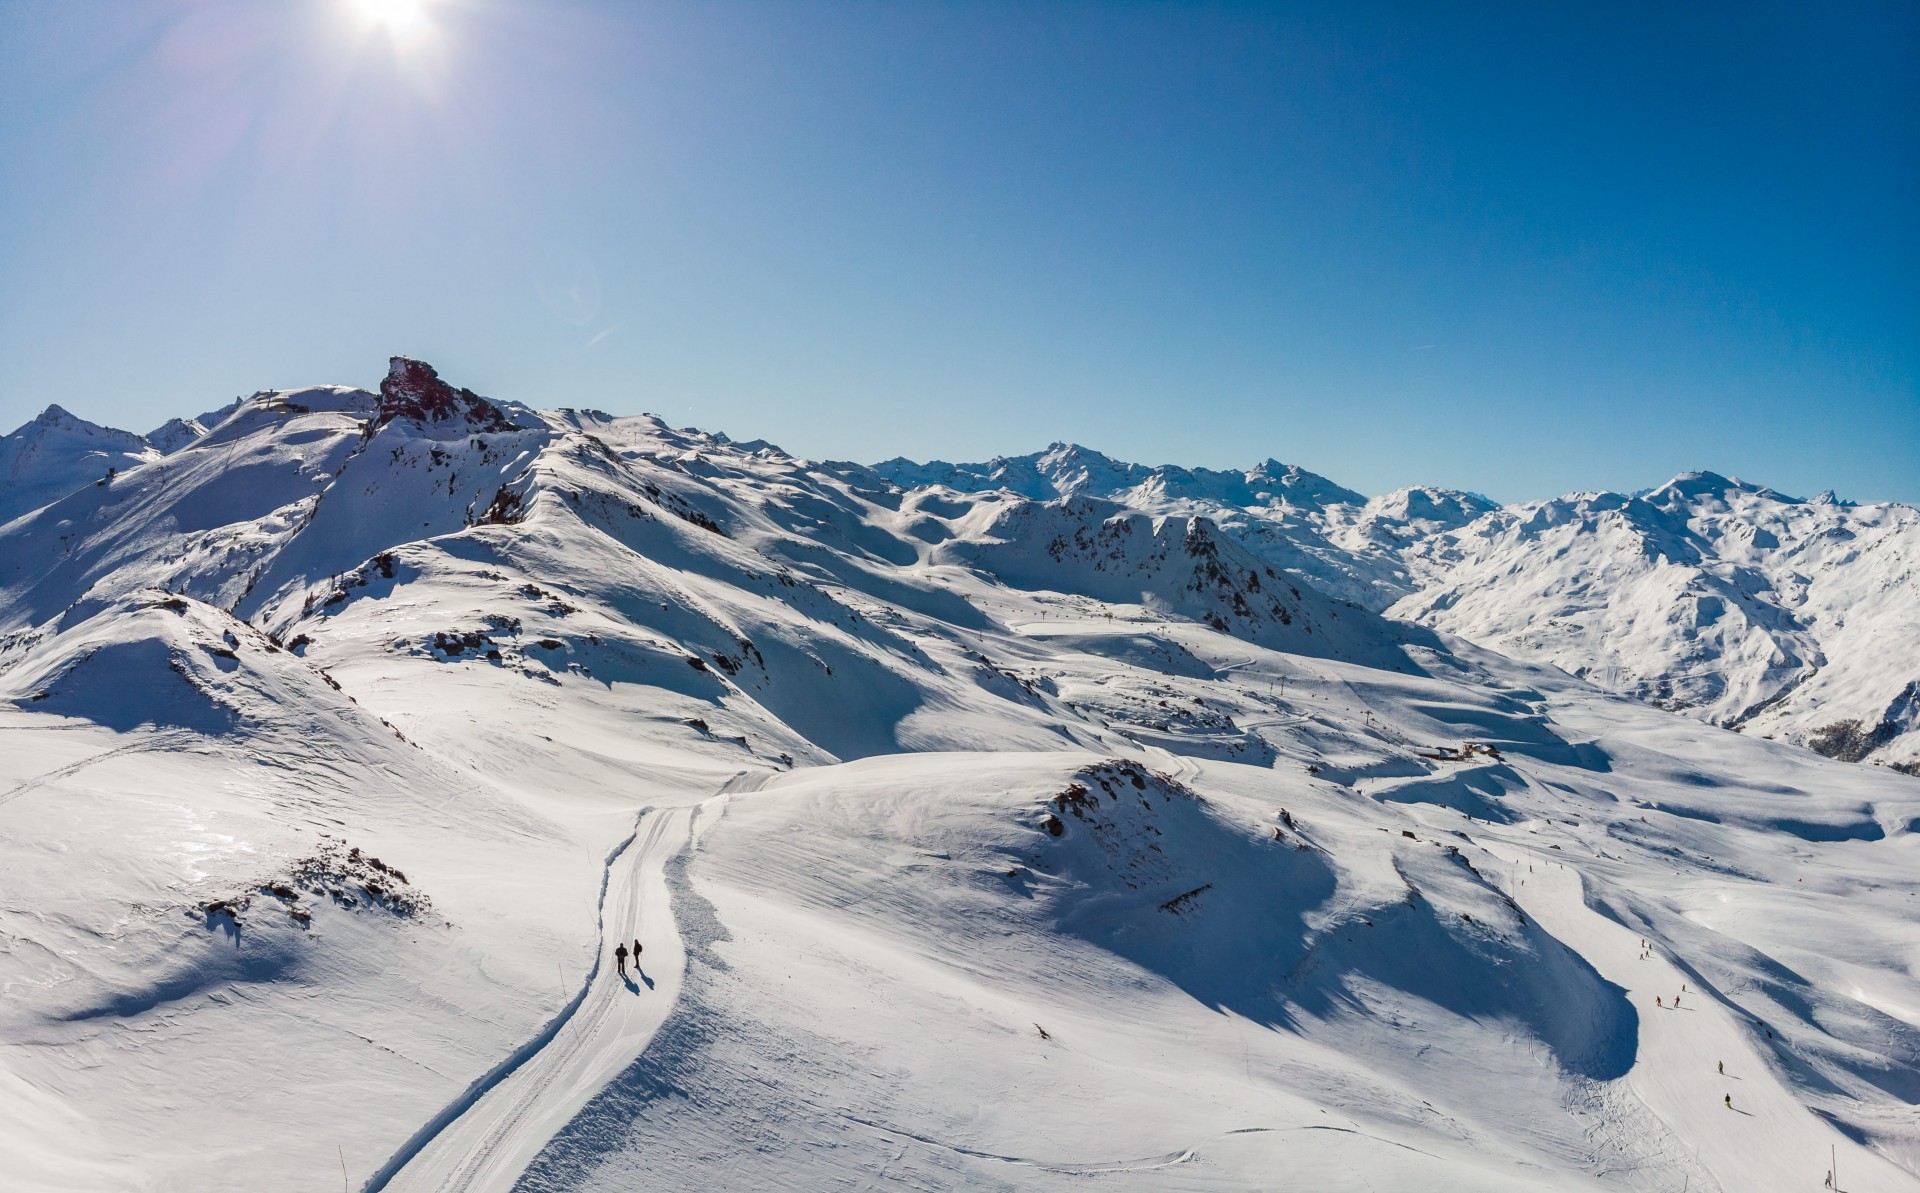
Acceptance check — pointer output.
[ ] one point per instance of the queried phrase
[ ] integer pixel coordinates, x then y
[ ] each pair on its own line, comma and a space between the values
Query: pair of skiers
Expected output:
620, 956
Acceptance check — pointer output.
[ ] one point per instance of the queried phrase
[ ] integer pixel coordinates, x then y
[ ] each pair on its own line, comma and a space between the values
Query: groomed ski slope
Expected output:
1685, 1040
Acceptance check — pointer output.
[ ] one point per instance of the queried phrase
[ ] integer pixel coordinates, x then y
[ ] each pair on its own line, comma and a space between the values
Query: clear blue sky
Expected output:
1519, 248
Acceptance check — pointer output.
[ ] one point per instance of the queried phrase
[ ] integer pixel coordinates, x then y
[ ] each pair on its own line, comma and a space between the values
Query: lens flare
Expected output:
401, 19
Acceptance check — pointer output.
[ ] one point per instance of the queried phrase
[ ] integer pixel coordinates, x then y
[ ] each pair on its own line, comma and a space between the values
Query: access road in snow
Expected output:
485, 1139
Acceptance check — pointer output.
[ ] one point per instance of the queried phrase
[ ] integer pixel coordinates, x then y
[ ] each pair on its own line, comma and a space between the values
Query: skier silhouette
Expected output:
620, 958
1729, 1101
636, 952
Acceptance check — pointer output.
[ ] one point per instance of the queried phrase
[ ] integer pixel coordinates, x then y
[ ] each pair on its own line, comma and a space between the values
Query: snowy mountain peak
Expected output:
1300, 487
1071, 469
57, 419
57, 453
413, 389
1710, 595
175, 434
1442, 509
1691, 487
56, 415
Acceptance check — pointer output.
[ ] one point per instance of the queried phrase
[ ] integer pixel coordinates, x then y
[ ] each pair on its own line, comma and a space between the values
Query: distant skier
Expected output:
1723, 1068
620, 958
1729, 1101
1657, 1002
636, 952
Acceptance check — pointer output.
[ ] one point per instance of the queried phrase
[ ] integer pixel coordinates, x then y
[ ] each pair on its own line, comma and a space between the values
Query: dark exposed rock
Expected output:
1179, 902
335, 871
507, 508
1851, 741
413, 389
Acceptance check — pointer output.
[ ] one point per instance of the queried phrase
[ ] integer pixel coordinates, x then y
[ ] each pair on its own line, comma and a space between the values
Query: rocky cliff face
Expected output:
413, 389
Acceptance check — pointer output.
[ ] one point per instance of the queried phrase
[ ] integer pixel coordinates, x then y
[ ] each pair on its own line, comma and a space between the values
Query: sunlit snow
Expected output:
1029, 825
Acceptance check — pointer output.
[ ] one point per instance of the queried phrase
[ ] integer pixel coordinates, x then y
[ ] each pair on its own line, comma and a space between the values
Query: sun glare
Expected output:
401, 19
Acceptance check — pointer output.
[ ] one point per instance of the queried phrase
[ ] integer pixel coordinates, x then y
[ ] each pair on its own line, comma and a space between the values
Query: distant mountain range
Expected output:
1792, 619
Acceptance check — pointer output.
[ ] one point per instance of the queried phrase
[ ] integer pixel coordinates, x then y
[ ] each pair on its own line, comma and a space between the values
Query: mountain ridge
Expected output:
1447, 558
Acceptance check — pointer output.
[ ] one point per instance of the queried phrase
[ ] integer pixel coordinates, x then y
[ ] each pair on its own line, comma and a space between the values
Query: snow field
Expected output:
1777, 1142
1058, 842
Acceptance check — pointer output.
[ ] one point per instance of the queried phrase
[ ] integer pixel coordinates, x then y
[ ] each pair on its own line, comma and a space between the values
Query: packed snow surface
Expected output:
1016, 826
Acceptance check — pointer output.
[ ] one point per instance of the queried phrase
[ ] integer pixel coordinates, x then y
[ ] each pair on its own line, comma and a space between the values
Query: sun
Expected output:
400, 18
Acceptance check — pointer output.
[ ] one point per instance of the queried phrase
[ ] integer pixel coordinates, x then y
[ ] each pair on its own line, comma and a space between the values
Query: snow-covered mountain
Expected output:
1347, 545
57, 453
175, 434
1729, 602
975, 835
1779, 617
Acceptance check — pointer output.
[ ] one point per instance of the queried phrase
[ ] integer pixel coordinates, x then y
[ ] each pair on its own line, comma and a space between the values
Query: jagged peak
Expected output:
413, 389
57, 418
1061, 451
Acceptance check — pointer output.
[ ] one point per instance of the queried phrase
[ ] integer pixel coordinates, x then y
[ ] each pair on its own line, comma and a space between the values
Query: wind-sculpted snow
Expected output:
1077, 821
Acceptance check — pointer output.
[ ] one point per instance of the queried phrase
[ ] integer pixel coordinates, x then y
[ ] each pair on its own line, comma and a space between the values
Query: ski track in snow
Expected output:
1112, 1167
1091, 1168
160, 742
489, 1135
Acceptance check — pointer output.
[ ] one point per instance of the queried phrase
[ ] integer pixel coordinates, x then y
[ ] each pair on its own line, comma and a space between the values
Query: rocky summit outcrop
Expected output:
413, 389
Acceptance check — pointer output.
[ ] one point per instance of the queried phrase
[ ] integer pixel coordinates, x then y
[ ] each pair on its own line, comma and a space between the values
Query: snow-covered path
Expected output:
1768, 1139
491, 1139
